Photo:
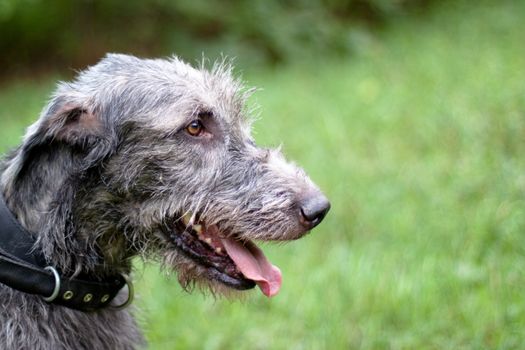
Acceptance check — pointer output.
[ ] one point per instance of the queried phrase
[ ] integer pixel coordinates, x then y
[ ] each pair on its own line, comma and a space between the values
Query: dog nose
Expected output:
314, 209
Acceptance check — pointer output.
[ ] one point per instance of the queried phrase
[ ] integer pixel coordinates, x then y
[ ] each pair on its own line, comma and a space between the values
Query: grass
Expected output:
418, 141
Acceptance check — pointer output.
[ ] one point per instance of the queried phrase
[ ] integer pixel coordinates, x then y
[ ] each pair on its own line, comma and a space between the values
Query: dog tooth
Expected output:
198, 229
186, 219
218, 250
207, 240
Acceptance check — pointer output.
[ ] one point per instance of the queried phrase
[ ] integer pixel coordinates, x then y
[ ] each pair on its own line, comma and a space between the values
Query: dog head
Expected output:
156, 158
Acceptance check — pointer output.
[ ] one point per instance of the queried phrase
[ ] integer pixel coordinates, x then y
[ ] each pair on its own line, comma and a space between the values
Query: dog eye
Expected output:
195, 128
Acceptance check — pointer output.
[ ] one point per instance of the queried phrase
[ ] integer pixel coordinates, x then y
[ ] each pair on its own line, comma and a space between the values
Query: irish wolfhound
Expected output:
138, 157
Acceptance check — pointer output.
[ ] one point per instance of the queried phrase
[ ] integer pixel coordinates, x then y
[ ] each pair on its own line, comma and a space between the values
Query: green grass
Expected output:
419, 142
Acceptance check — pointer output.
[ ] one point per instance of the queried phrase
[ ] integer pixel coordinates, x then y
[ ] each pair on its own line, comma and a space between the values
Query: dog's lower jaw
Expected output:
221, 270
218, 256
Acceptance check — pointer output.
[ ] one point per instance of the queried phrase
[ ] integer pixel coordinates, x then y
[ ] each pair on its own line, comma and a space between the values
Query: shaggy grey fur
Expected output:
109, 165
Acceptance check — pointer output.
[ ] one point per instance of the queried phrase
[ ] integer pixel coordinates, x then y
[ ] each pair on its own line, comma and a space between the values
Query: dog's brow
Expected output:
205, 114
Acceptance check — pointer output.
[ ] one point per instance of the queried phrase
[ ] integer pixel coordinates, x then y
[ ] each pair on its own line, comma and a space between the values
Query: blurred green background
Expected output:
410, 115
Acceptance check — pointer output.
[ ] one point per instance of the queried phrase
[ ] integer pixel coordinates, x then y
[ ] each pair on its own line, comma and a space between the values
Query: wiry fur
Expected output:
108, 164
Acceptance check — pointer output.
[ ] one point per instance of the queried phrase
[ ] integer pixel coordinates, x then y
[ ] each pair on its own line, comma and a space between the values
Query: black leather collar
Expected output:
25, 270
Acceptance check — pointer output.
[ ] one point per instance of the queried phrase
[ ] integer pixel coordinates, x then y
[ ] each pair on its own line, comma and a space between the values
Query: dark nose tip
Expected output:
314, 209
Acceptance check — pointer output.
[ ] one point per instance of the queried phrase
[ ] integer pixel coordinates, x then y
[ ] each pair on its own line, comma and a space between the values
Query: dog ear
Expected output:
68, 124
73, 125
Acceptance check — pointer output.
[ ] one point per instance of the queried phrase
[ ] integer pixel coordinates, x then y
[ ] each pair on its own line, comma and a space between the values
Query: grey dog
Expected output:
150, 158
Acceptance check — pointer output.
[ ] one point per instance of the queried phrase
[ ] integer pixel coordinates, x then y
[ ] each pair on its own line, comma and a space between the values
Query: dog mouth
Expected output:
237, 263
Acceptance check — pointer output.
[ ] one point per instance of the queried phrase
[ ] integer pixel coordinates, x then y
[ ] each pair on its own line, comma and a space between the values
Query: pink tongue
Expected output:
254, 265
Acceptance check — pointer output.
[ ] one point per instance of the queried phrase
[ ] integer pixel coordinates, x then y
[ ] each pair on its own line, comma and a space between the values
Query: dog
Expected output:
141, 157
